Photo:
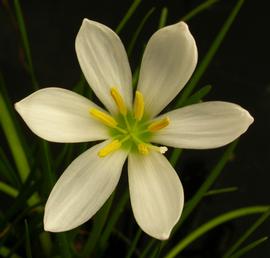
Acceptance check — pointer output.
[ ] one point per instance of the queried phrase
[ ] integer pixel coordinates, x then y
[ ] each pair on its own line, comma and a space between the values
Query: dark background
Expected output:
239, 73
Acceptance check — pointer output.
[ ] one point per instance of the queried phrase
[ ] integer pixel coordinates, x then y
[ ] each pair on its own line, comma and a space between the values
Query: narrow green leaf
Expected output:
134, 244
248, 232
128, 15
138, 31
99, 221
12, 137
25, 42
7, 170
212, 224
249, 247
7, 189
163, 17
176, 153
198, 96
203, 65
5, 251
221, 191
147, 248
28, 241
205, 5
113, 219
214, 173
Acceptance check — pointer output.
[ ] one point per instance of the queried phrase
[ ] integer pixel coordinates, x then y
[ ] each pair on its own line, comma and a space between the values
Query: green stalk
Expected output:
9, 190
134, 244
25, 42
138, 31
128, 15
163, 17
249, 247
198, 9
214, 173
212, 224
210, 54
250, 230
221, 191
99, 222
13, 140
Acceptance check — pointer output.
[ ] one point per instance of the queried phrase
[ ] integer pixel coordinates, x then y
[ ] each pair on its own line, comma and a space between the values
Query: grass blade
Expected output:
25, 42
198, 9
28, 242
214, 173
134, 244
163, 17
138, 31
249, 247
221, 191
9, 190
128, 15
99, 222
212, 224
250, 230
210, 54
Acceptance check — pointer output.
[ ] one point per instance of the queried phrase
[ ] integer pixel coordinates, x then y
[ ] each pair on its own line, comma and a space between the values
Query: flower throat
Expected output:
130, 130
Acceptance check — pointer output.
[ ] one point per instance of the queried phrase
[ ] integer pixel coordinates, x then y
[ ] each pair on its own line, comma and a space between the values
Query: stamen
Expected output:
160, 149
159, 124
143, 148
103, 117
138, 106
109, 148
119, 101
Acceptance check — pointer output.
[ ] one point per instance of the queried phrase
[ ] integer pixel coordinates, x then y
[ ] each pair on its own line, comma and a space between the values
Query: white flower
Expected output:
60, 115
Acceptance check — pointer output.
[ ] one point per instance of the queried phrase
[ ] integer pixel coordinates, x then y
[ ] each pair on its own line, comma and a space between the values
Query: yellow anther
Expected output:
119, 101
138, 106
143, 148
109, 148
159, 124
103, 117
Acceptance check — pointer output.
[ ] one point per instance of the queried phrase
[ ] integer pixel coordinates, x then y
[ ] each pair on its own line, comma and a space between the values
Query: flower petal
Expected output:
104, 62
205, 125
82, 189
168, 62
60, 115
156, 193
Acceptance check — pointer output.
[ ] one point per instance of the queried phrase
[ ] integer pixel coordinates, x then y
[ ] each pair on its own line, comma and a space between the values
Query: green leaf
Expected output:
99, 221
198, 96
134, 244
221, 191
138, 31
249, 247
205, 5
163, 17
248, 232
212, 224
128, 15
7, 189
117, 211
214, 173
28, 241
203, 65
25, 42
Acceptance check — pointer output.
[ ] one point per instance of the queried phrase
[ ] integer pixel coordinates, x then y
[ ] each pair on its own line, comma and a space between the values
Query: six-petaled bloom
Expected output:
131, 129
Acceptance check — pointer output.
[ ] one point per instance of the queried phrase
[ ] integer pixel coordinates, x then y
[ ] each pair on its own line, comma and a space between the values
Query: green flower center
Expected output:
130, 130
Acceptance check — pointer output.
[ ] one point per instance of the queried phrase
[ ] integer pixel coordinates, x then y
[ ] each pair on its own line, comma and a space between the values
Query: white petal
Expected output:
104, 62
204, 125
168, 62
82, 189
60, 115
156, 193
